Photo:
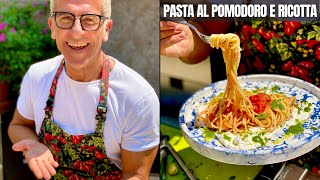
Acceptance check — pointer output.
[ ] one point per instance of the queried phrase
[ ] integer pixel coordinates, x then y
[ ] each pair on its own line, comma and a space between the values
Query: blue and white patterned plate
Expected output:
271, 153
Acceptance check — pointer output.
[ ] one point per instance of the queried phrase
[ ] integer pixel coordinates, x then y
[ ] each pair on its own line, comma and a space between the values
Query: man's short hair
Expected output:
106, 7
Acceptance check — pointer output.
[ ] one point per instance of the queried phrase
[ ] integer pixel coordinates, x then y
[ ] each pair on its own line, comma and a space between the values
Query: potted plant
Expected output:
24, 40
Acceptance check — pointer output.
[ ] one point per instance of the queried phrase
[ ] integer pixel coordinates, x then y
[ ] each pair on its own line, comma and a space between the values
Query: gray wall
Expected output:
134, 38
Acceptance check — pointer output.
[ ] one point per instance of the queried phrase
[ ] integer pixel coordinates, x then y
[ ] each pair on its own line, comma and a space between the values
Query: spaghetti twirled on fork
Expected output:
236, 110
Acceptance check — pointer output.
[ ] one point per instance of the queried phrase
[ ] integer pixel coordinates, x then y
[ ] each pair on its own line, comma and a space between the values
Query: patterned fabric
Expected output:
79, 156
281, 47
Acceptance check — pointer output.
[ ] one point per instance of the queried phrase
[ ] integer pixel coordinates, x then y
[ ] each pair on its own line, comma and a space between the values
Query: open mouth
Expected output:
77, 46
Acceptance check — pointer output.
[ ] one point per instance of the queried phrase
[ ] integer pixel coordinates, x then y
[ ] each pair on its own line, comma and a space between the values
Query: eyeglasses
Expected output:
89, 22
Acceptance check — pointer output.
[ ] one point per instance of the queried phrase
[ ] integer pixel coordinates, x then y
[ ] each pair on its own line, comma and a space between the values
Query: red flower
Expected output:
52, 91
98, 155
264, 34
292, 24
252, 30
294, 72
318, 53
301, 71
306, 64
76, 139
300, 42
295, 24
258, 64
48, 137
92, 173
83, 147
104, 73
99, 178
311, 43
67, 172
101, 98
258, 45
245, 31
91, 148
89, 162
55, 148
77, 163
288, 31
74, 177
62, 140
274, 34
287, 66
54, 81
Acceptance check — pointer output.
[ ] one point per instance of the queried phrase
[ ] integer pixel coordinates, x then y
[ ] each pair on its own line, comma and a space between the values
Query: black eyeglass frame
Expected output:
78, 17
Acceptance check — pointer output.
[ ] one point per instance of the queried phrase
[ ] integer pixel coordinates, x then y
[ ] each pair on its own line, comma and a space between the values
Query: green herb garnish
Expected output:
276, 104
314, 128
275, 88
307, 109
208, 134
244, 137
296, 129
259, 140
226, 137
262, 116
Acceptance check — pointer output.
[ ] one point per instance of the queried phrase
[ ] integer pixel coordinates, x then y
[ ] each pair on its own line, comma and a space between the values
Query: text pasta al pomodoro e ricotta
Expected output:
240, 10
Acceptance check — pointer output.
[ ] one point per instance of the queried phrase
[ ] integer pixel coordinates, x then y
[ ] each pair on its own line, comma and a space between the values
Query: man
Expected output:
85, 115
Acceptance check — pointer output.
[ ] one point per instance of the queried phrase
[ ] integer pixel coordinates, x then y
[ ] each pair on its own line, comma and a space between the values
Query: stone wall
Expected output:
134, 38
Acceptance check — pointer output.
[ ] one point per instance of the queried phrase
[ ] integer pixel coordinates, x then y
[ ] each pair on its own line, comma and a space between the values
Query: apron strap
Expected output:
102, 106
53, 88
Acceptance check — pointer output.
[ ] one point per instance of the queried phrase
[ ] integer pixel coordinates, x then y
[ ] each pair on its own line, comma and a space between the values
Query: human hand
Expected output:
176, 40
39, 158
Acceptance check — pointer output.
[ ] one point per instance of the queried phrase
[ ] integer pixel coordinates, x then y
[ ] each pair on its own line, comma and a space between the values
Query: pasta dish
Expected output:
236, 110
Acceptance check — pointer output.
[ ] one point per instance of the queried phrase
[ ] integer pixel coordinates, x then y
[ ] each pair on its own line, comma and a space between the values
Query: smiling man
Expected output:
84, 114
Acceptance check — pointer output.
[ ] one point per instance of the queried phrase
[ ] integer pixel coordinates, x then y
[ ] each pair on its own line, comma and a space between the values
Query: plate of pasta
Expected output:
254, 119
298, 135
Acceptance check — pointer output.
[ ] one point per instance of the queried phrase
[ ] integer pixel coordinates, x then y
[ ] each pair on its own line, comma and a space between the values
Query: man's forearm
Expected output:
19, 132
21, 128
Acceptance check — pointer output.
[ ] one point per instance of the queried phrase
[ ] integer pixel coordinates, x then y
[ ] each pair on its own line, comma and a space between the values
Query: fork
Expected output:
205, 38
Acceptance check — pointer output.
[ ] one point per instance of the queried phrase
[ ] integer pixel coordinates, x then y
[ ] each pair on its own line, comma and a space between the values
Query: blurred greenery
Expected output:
24, 39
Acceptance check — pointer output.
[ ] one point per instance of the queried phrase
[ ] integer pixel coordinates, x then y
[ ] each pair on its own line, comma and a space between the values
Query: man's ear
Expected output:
51, 25
106, 31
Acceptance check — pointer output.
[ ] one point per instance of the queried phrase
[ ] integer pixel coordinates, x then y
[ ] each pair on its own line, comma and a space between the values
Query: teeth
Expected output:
77, 45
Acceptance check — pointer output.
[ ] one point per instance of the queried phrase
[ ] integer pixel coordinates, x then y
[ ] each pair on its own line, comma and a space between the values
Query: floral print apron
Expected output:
80, 157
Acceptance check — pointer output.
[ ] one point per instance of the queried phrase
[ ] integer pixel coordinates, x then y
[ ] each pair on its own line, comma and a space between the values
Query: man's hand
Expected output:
39, 158
176, 40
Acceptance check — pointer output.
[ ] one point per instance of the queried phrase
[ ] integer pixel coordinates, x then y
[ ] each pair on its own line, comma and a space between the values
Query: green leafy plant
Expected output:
24, 39
289, 48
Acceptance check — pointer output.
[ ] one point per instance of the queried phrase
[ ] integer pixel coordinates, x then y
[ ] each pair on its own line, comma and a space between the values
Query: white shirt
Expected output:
133, 106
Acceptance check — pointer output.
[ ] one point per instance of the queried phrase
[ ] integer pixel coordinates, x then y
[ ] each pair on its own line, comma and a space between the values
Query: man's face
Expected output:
78, 46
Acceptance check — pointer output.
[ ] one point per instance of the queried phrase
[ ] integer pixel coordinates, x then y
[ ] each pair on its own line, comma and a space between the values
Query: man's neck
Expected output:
89, 72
